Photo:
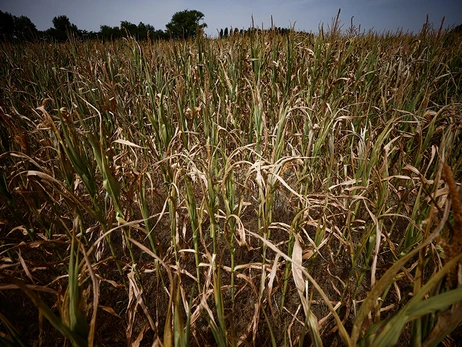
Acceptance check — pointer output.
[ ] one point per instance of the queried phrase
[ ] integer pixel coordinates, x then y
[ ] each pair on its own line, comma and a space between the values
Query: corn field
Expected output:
258, 190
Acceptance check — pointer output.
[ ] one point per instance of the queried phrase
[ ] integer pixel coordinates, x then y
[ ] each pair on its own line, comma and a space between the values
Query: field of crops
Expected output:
266, 190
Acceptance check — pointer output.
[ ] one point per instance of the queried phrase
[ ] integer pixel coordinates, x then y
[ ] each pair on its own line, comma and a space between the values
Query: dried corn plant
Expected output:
262, 189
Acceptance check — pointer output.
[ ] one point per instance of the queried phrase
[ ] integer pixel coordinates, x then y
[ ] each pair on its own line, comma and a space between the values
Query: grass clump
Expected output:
264, 189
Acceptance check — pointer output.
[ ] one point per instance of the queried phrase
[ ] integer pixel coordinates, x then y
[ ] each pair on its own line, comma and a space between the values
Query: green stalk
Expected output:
194, 219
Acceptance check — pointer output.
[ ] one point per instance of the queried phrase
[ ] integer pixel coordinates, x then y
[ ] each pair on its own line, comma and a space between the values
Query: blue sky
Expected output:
378, 15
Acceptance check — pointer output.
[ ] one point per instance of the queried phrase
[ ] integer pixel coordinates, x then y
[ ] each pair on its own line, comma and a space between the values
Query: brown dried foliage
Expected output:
453, 246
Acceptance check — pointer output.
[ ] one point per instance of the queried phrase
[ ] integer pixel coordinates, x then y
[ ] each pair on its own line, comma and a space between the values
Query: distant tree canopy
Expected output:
457, 29
185, 24
224, 33
62, 23
25, 29
62, 28
16, 28
140, 32
108, 32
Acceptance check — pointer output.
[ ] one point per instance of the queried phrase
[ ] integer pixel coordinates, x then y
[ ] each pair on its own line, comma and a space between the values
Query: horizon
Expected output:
303, 15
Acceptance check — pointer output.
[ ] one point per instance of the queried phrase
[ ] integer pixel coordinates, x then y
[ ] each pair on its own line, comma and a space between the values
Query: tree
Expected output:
25, 29
145, 31
16, 28
185, 24
109, 33
62, 23
457, 29
62, 28
159, 35
139, 31
6, 26
128, 28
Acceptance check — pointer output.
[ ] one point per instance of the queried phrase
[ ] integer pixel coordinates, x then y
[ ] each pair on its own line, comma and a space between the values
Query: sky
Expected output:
306, 15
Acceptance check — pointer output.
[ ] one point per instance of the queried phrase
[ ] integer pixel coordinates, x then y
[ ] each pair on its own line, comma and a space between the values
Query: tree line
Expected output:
184, 24
226, 32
